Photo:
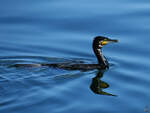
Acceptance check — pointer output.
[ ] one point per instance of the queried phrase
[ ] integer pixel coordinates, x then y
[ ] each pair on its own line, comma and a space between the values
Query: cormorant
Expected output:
98, 43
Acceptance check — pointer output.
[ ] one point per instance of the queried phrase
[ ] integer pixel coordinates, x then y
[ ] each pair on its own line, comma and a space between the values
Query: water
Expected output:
62, 31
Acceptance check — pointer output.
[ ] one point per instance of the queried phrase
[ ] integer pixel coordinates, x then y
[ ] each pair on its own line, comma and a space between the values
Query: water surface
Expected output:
62, 31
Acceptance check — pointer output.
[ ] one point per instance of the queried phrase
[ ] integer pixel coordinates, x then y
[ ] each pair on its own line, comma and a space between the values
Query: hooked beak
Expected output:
105, 42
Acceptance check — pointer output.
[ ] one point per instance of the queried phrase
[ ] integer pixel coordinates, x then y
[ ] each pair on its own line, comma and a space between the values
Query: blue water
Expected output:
34, 31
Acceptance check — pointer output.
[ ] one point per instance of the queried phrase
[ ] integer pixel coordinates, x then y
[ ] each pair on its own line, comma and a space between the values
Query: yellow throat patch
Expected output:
104, 42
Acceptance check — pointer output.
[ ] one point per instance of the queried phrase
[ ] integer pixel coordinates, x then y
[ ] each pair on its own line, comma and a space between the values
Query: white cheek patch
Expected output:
100, 44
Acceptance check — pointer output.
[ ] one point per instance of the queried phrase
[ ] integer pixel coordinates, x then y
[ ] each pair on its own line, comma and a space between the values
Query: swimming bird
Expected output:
98, 44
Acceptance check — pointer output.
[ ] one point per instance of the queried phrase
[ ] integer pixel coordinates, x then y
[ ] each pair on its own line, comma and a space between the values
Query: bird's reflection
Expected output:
98, 85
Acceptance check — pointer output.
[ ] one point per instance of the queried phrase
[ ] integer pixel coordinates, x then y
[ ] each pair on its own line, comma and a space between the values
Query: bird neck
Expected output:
100, 57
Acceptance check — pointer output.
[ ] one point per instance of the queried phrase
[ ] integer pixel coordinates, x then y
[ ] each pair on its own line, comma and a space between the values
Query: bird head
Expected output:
100, 41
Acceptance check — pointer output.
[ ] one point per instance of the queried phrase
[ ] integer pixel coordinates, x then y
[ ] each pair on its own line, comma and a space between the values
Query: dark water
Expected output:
34, 31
